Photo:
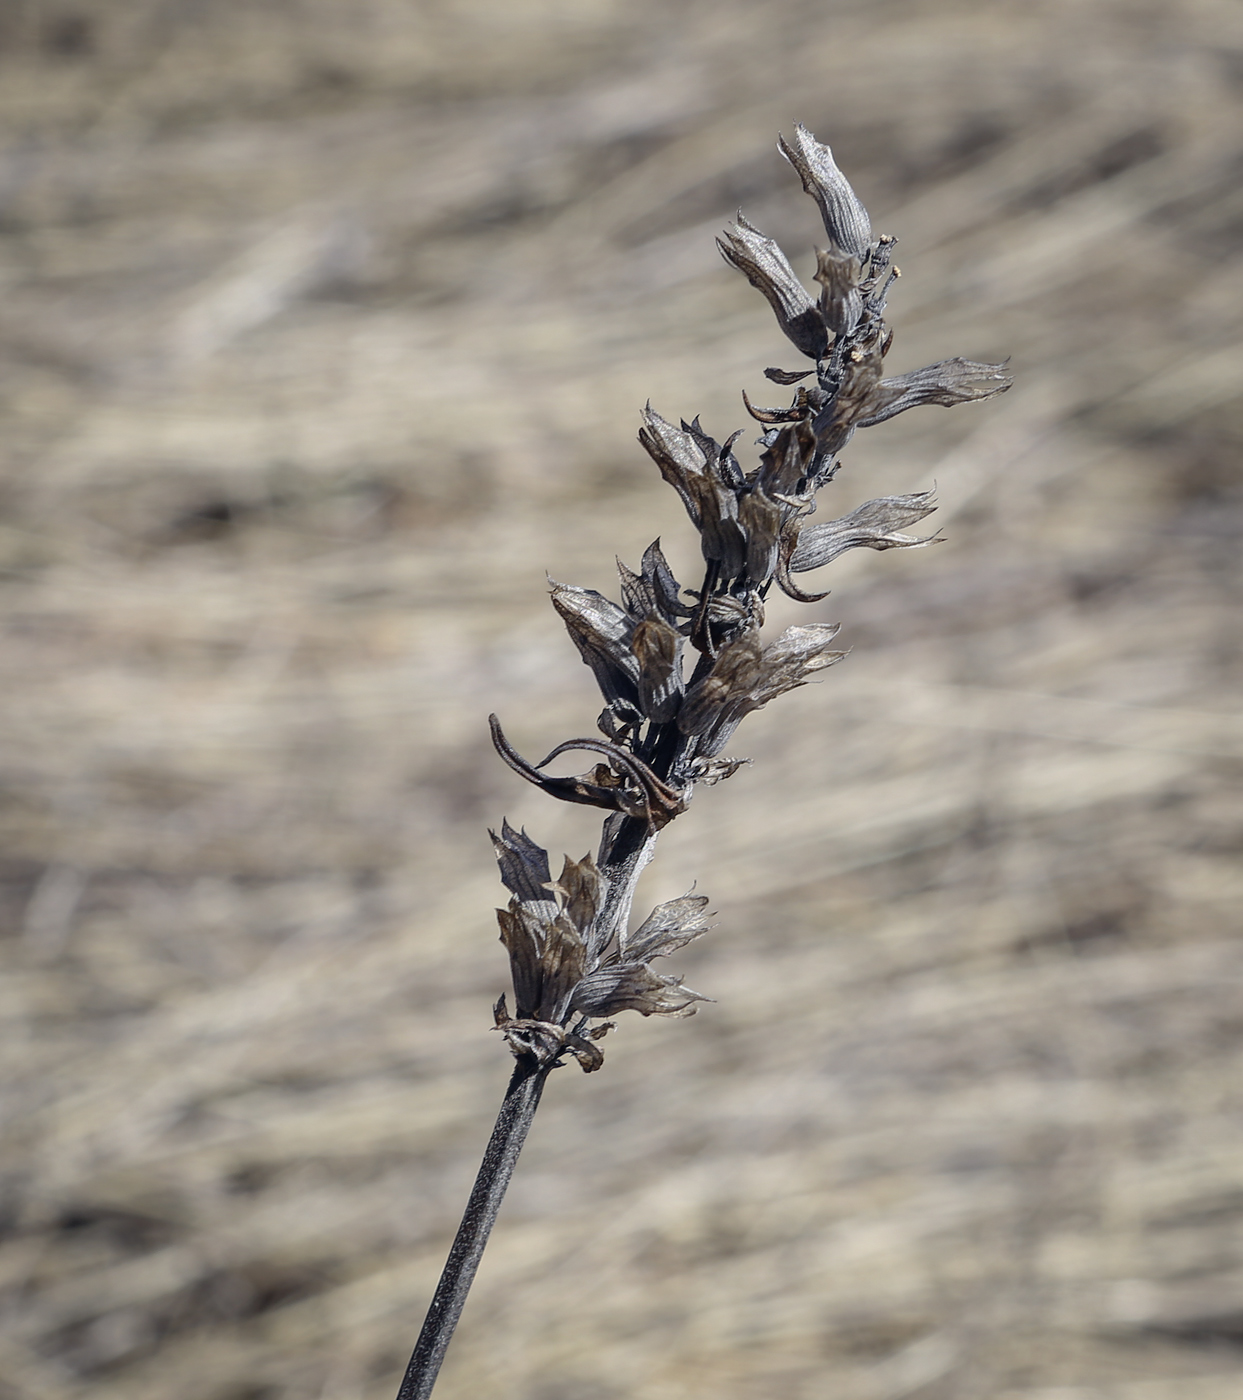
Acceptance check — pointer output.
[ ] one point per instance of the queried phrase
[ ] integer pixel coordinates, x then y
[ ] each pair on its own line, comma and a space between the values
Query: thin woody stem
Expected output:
517, 1110
501, 1155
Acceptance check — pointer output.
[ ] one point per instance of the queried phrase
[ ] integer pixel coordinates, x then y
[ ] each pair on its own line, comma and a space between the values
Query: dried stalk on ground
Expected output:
573, 956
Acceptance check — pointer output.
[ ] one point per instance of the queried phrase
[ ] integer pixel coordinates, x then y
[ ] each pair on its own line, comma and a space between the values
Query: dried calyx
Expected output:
665, 722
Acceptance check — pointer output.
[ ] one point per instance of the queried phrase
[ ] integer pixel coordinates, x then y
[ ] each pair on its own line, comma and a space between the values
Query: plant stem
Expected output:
517, 1110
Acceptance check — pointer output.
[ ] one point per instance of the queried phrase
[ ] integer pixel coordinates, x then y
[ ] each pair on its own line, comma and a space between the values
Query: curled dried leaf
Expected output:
785, 376
625, 784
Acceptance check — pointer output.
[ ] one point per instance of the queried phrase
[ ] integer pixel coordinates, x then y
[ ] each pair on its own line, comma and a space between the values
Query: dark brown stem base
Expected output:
517, 1110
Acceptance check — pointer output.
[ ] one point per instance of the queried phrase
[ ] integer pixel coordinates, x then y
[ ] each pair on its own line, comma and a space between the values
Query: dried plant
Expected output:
573, 957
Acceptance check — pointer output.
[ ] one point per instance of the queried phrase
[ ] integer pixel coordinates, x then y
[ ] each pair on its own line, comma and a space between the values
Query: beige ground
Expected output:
326, 324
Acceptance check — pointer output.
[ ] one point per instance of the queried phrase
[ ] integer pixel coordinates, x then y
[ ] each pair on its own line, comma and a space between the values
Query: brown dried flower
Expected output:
665, 725
668, 714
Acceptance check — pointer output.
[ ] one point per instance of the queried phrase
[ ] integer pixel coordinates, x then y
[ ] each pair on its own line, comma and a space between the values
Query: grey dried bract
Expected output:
680, 668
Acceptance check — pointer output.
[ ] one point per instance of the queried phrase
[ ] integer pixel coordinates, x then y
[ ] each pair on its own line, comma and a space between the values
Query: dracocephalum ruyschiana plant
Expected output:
680, 668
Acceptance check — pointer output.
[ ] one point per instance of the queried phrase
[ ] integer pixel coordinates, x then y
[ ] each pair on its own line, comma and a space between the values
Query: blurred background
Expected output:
326, 327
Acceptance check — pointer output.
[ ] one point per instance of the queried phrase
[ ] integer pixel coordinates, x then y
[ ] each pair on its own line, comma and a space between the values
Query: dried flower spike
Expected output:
668, 712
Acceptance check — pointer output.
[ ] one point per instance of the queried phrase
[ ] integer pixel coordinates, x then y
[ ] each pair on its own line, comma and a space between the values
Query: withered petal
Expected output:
583, 889
841, 302
786, 463
658, 649
524, 865
667, 928
710, 503
835, 424
761, 520
873, 525
785, 376
845, 219
590, 1057
524, 960
735, 670
602, 632
711, 771
795, 656
665, 588
563, 961
766, 267
946, 383
633, 987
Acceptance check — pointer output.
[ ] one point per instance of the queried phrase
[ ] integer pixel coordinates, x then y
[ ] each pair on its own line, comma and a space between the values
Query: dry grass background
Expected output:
326, 327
